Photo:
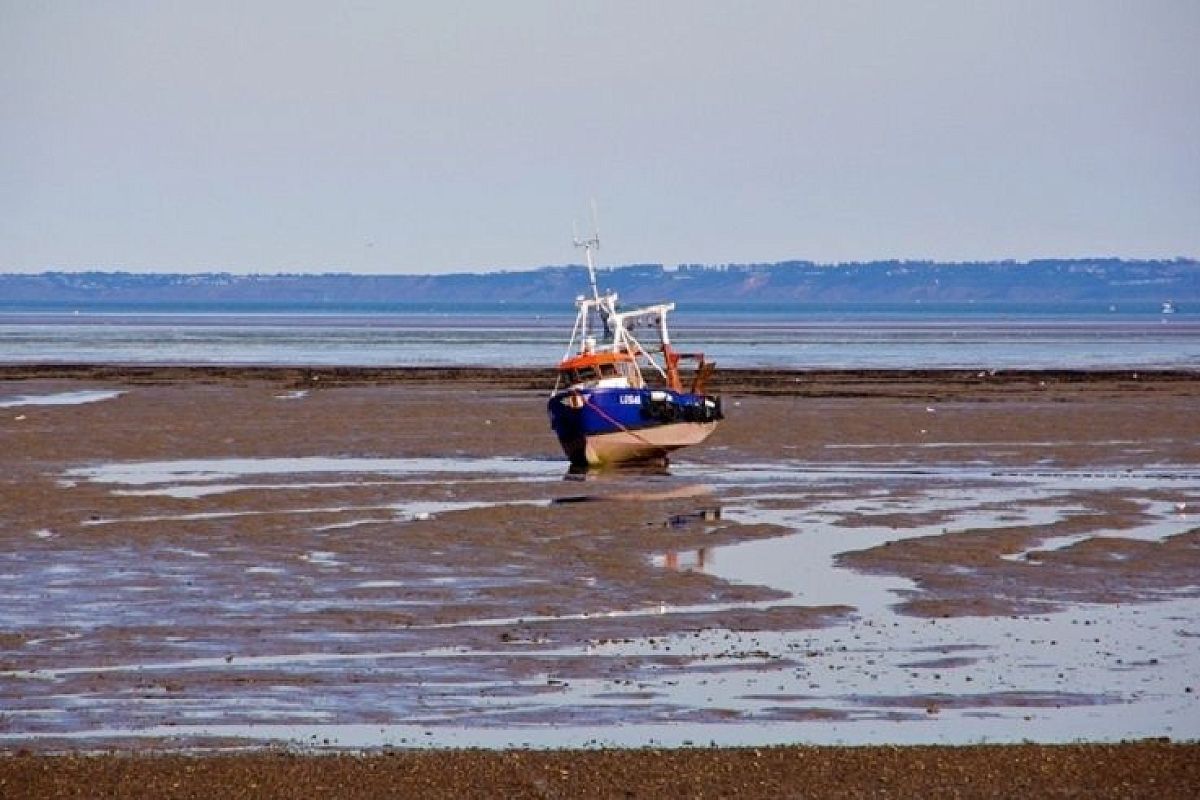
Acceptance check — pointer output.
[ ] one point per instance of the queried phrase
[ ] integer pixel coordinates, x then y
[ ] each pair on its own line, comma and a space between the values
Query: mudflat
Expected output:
375, 560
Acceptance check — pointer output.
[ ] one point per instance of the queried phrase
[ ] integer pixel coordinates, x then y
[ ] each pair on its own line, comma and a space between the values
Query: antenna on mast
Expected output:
589, 247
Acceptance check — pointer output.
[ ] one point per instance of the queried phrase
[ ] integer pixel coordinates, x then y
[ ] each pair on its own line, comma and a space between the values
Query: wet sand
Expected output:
393, 558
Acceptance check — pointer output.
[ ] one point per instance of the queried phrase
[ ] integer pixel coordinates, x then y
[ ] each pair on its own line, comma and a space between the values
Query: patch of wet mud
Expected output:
1102, 564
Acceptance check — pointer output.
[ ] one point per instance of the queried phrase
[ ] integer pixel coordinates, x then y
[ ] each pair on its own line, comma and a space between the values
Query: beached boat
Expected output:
602, 408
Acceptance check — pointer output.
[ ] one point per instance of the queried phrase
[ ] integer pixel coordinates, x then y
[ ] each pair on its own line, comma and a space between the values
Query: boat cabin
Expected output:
603, 369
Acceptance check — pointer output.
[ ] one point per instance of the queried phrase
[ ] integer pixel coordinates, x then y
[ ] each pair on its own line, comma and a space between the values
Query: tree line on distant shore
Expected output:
1047, 281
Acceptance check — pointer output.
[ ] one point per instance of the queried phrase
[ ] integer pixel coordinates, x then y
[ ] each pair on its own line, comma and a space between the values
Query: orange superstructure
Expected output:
595, 359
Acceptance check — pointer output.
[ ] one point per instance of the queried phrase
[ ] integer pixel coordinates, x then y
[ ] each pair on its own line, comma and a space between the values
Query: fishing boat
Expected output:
617, 401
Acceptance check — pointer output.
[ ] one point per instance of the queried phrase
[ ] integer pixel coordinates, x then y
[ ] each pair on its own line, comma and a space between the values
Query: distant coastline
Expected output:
1101, 284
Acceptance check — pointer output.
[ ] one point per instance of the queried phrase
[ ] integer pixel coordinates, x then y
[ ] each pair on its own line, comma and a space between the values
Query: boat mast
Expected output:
605, 306
589, 247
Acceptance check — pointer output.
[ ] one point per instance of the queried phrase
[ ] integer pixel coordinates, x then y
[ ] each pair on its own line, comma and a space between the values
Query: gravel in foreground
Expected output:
1143, 769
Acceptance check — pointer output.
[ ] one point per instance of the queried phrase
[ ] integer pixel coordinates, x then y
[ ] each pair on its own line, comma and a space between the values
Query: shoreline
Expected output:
959, 382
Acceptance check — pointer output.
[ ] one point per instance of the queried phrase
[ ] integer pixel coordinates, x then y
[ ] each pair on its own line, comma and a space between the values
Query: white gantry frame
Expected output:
613, 327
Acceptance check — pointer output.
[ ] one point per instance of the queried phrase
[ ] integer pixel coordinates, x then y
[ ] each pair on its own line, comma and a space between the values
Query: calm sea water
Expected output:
535, 335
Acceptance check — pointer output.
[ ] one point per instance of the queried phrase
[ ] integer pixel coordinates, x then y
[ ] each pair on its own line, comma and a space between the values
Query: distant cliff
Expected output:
1079, 281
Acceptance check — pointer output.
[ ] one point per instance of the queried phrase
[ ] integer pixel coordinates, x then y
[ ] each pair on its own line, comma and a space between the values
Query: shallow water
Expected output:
142, 473
751, 337
58, 398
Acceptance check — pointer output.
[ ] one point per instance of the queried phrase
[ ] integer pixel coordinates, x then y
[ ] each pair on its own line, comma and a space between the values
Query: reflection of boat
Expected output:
602, 408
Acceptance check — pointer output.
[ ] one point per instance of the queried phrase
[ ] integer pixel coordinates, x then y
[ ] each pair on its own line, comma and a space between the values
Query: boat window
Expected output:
581, 375
593, 373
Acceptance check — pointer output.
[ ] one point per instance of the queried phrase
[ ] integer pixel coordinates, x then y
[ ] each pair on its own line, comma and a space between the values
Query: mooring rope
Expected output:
618, 423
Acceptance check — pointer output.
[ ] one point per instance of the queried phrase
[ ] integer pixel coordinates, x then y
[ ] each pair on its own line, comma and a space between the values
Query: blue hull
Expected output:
586, 416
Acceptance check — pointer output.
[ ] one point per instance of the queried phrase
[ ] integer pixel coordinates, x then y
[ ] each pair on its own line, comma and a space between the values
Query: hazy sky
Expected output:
436, 136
